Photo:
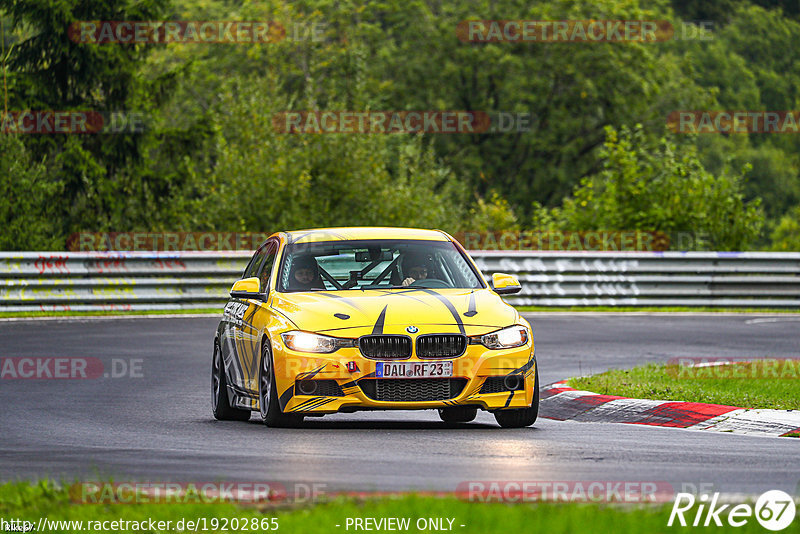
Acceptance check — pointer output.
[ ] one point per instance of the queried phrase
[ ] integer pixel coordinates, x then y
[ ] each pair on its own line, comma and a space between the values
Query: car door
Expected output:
252, 325
238, 330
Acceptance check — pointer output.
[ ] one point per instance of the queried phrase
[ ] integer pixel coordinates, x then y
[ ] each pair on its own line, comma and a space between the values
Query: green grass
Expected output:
217, 311
696, 309
30, 502
713, 385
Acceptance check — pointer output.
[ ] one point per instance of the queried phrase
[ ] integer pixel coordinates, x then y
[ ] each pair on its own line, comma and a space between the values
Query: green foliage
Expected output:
763, 383
210, 159
492, 215
57, 71
786, 235
20, 500
720, 11
661, 187
29, 200
751, 64
770, 44
772, 176
245, 175
571, 90
50, 71
263, 180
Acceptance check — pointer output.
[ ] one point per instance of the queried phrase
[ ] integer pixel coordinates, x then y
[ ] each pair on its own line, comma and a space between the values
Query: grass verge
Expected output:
769, 384
32, 502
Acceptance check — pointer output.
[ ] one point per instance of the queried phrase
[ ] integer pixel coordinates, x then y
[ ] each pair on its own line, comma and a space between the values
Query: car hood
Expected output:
471, 311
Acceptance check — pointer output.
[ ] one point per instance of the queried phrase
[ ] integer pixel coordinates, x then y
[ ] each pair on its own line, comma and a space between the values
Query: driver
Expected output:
305, 274
415, 267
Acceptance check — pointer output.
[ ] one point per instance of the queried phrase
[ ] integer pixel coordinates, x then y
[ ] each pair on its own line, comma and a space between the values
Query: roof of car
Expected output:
364, 232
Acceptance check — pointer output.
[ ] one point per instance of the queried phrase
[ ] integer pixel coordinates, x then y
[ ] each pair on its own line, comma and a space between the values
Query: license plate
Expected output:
413, 369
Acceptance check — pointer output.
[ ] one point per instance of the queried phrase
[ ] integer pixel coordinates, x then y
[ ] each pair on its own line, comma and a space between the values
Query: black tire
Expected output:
458, 414
220, 406
521, 417
268, 403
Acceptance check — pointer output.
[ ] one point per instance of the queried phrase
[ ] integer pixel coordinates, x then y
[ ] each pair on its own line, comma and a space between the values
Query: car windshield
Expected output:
375, 264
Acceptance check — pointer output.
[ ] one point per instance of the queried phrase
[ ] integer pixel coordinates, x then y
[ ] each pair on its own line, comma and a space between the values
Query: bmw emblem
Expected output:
412, 329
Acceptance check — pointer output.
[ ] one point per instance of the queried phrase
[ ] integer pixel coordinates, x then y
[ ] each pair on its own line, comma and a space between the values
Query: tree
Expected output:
661, 187
786, 235
51, 71
263, 180
572, 91
29, 200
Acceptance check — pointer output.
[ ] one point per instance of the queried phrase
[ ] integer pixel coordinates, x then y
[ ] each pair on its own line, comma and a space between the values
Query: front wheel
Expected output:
521, 417
220, 405
268, 394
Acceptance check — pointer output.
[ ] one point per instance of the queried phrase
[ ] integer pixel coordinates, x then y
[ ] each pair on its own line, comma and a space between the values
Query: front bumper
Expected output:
470, 371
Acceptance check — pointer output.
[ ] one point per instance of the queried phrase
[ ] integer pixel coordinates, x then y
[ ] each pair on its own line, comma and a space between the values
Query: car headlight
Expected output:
308, 342
507, 338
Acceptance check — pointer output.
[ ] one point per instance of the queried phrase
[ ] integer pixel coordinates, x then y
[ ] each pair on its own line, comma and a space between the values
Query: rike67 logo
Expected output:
774, 510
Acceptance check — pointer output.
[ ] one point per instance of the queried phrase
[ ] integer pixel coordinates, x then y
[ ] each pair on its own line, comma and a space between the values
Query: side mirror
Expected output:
248, 288
505, 284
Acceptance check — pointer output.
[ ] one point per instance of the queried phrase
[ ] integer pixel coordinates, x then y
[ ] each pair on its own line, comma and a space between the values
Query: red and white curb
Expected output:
562, 403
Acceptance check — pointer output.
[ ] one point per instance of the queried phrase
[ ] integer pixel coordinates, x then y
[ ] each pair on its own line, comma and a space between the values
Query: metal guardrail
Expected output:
84, 281
749, 279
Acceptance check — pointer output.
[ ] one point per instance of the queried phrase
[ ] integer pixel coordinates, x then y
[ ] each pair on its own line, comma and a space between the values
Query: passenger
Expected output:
305, 274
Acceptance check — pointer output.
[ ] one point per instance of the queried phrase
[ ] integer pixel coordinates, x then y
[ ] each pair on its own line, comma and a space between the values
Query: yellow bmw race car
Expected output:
348, 319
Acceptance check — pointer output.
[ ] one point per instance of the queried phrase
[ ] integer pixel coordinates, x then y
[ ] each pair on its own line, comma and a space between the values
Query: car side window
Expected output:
266, 268
252, 267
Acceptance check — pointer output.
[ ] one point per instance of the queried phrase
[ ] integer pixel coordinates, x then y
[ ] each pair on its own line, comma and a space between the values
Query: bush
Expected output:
262, 180
658, 186
27, 213
786, 235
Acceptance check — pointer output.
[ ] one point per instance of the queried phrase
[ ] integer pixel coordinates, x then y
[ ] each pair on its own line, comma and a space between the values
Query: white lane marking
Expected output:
771, 320
621, 410
570, 394
549, 313
709, 424
759, 422
109, 317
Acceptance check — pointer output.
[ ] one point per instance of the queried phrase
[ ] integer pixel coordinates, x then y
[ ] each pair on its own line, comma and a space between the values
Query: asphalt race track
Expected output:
158, 426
